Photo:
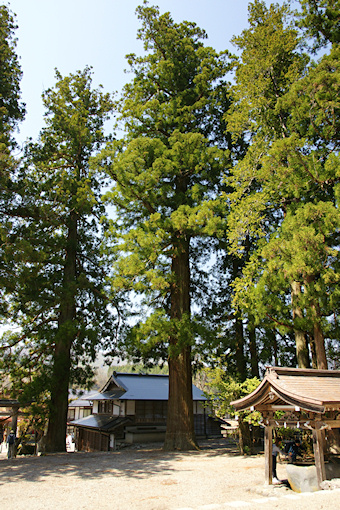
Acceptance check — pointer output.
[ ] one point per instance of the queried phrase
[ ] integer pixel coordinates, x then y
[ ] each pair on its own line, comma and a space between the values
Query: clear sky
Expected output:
70, 34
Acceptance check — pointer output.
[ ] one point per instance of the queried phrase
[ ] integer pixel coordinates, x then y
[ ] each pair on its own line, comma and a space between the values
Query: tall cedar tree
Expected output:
11, 113
167, 172
60, 301
321, 21
291, 113
11, 110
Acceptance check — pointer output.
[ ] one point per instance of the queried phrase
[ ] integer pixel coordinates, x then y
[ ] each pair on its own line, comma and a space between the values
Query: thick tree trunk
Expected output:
319, 343
180, 434
55, 440
312, 348
245, 440
319, 340
302, 353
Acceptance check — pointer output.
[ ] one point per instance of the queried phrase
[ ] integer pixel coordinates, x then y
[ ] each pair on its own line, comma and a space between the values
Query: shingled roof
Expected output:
101, 422
309, 389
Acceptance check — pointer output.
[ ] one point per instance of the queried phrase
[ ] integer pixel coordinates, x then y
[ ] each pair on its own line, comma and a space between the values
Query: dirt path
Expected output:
215, 478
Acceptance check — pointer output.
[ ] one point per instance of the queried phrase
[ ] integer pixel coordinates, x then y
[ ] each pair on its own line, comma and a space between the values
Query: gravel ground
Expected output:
146, 478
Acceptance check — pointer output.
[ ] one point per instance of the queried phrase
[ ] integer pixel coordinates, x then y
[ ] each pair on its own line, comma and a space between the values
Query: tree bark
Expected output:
245, 440
302, 353
241, 363
254, 360
273, 346
55, 440
319, 340
180, 434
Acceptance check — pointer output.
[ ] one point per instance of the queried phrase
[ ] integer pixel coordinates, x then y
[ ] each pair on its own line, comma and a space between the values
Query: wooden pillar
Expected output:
318, 442
268, 451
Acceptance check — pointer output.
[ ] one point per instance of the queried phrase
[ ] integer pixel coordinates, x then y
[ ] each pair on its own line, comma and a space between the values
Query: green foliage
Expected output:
167, 173
59, 300
286, 187
11, 111
139, 368
321, 21
221, 389
248, 174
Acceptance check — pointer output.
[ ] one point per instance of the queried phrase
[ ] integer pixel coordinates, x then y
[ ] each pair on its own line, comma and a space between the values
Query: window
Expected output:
151, 410
105, 407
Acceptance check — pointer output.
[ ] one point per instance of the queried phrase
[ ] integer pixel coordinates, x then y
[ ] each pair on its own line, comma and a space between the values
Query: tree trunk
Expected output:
180, 434
319, 339
302, 353
273, 346
319, 343
241, 362
245, 441
55, 440
254, 360
312, 349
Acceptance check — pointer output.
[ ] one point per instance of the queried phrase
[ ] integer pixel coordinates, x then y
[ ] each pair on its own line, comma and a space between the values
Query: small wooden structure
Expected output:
309, 398
13, 413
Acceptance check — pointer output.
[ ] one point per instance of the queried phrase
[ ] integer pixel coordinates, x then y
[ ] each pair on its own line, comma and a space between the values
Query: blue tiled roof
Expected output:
108, 395
83, 400
147, 387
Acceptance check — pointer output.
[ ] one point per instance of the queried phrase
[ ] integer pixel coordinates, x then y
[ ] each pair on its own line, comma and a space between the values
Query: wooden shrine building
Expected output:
309, 398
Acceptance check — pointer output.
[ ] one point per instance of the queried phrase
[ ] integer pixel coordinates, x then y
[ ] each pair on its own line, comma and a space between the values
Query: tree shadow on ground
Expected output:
144, 462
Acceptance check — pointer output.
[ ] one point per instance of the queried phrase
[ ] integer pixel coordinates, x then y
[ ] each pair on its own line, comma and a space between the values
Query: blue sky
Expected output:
70, 34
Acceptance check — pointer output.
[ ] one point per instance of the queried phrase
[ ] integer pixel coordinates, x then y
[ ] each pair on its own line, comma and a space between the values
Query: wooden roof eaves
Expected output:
279, 371
271, 383
302, 404
254, 398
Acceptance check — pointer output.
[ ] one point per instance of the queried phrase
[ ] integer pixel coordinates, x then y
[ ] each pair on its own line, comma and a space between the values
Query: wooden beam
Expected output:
9, 414
268, 452
289, 423
334, 424
9, 403
318, 441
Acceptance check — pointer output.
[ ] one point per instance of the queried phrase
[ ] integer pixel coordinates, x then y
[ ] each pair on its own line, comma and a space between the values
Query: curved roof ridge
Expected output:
303, 371
309, 389
287, 393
